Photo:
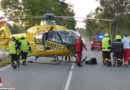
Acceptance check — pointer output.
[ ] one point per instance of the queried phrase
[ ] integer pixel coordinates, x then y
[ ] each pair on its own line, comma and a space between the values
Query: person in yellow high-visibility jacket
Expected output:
106, 49
24, 48
18, 44
13, 52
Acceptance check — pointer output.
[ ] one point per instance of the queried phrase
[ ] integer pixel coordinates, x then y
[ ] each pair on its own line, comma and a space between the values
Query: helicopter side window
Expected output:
38, 39
54, 37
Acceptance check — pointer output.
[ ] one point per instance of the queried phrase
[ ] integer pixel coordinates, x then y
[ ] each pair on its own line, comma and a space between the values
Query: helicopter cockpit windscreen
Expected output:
68, 37
49, 22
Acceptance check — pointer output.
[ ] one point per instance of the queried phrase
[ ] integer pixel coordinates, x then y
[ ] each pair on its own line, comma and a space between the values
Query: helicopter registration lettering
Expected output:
54, 45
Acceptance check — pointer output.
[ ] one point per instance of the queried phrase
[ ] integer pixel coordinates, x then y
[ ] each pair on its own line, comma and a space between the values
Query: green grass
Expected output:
30, 54
7, 61
4, 62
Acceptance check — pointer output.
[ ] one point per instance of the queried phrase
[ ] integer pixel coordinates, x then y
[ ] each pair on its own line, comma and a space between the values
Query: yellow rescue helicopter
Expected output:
47, 39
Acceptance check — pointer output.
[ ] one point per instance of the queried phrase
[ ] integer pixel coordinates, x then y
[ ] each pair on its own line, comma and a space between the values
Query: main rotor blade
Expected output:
52, 17
84, 18
19, 18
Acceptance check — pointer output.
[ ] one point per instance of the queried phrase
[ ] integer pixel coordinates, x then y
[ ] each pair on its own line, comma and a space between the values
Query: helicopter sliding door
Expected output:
53, 42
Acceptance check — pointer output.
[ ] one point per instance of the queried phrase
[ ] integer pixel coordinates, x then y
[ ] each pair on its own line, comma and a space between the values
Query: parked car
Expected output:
96, 42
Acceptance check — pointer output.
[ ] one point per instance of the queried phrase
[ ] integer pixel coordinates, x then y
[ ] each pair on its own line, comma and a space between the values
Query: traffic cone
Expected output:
1, 84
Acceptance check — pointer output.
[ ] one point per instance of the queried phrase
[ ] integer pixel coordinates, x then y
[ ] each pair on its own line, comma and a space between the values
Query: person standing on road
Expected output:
117, 48
106, 49
18, 49
79, 44
126, 49
24, 48
12, 52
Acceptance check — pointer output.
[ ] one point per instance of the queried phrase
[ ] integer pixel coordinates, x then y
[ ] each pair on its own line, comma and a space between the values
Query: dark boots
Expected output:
18, 63
24, 62
115, 61
119, 63
108, 63
79, 64
14, 65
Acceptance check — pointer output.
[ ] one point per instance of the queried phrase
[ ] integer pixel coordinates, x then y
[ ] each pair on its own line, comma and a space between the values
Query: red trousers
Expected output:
126, 54
103, 57
79, 57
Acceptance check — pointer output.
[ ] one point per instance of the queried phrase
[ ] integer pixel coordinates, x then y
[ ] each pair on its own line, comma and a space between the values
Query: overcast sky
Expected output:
83, 7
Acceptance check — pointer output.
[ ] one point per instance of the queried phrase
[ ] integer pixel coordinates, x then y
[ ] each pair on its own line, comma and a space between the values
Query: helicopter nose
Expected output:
70, 47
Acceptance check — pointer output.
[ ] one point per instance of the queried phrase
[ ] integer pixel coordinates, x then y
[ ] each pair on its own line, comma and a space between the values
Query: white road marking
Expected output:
69, 77
7, 88
1, 69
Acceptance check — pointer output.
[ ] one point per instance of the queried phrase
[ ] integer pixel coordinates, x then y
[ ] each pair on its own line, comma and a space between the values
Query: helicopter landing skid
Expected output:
36, 57
57, 60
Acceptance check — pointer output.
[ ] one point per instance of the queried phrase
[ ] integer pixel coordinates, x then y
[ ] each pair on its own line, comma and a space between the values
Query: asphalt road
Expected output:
36, 76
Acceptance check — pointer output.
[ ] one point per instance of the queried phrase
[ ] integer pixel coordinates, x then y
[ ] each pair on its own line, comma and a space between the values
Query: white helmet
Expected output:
106, 35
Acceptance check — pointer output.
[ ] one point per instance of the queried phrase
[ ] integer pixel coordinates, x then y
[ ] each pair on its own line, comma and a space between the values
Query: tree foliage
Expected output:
116, 10
14, 8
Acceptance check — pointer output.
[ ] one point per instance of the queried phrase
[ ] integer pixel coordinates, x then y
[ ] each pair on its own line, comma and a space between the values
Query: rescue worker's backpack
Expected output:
91, 61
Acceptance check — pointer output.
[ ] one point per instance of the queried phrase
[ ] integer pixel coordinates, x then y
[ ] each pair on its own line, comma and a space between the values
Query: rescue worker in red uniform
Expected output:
79, 44
126, 49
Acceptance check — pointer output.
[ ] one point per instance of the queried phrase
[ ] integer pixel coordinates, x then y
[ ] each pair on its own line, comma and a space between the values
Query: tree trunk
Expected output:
117, 27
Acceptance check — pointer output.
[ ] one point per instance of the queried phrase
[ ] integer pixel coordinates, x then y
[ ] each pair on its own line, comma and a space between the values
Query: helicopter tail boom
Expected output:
4, 36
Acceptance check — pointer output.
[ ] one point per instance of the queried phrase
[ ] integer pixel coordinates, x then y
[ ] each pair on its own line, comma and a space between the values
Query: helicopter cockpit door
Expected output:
44, 38
53, 41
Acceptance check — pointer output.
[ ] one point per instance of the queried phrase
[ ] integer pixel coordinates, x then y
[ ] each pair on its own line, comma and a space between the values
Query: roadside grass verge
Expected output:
6, 61
30, 54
